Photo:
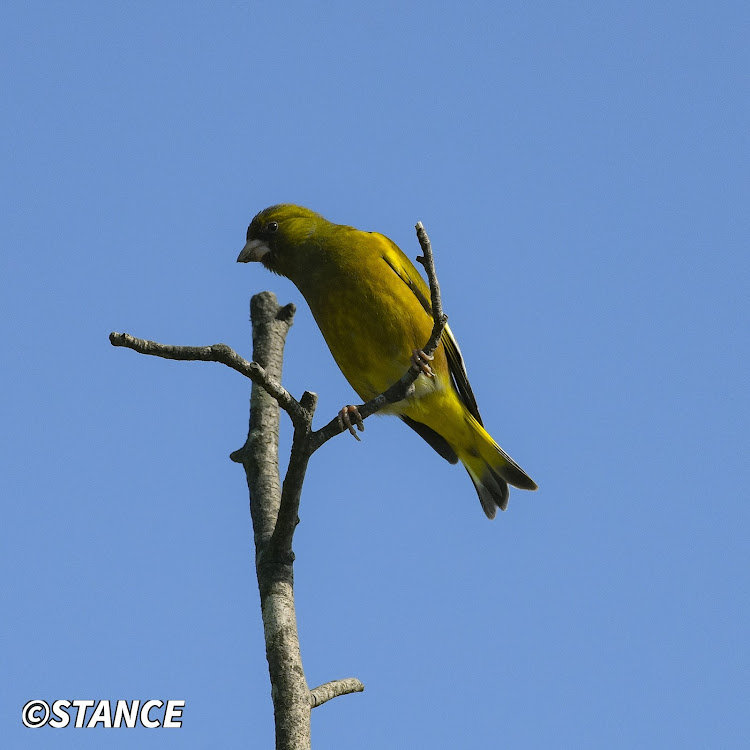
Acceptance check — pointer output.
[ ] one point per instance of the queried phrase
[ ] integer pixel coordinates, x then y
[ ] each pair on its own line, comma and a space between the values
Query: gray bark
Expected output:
260, 457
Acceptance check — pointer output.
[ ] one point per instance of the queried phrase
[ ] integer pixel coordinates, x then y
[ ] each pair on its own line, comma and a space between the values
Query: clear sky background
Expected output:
581, 168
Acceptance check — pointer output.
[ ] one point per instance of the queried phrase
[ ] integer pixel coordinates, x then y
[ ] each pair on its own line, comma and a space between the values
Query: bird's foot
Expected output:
422, 362
346, 415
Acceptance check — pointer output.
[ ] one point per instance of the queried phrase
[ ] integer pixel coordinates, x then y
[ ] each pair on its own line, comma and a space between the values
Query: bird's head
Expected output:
277, 234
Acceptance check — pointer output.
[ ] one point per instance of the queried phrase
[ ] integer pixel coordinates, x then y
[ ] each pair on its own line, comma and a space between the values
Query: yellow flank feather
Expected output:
373, 309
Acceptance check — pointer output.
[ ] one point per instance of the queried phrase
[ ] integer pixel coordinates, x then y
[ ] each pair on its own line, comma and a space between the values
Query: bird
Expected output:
373, 308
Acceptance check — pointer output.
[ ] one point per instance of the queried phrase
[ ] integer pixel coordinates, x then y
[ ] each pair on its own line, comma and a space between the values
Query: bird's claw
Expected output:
345, 420
421, 361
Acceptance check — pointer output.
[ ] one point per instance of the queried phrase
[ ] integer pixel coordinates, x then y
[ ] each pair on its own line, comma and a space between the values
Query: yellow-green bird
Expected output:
374, 311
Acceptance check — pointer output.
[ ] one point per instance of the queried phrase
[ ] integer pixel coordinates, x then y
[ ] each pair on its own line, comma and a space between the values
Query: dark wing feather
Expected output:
436, 441
458, 373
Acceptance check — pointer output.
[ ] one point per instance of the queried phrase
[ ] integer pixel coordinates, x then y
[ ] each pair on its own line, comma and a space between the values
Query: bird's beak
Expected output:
253, 251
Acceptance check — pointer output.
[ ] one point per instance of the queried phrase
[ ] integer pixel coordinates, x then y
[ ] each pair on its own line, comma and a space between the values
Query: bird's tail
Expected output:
492, 470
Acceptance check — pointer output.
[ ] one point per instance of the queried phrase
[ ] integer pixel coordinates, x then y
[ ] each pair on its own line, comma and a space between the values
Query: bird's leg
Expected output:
345, 420
422, 362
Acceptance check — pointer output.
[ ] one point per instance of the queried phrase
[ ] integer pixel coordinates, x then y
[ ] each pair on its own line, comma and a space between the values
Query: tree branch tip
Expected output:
286, 313
266, 294
309, 400
238, 456
330, 690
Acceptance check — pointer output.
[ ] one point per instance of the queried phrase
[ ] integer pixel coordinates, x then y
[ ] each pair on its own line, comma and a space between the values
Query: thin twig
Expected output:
215, 353
438, 316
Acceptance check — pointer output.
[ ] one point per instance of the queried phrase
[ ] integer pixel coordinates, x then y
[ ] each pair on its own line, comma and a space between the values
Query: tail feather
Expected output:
491, 470
513, 473
492, 490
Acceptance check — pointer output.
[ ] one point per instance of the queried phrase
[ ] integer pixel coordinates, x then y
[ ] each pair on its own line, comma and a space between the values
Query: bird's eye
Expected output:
272, 226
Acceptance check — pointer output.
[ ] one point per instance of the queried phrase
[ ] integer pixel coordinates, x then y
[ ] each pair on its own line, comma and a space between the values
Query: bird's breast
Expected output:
370, 326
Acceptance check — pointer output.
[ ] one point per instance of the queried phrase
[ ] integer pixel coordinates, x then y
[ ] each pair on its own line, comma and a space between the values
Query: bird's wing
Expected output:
405, 270
458, 373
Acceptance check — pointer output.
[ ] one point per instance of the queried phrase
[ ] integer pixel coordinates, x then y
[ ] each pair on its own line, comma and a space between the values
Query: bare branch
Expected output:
333, 689
438, 316
259, 456
280, 544
215, 353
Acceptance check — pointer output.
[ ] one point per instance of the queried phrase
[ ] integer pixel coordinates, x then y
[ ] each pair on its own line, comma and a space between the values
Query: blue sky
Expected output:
582, 171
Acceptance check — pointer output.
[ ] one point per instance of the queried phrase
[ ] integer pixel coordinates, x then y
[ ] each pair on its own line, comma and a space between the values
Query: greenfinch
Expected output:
373, 309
